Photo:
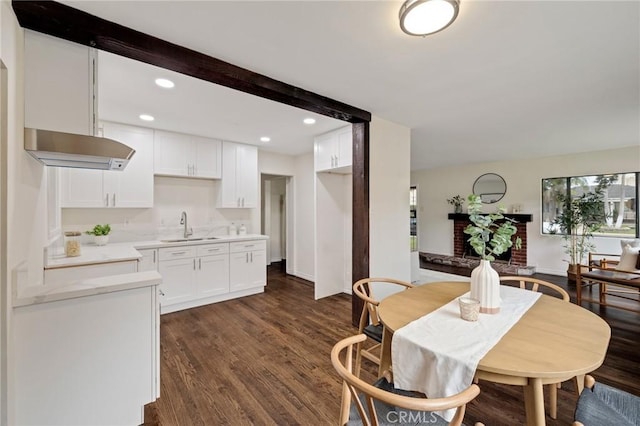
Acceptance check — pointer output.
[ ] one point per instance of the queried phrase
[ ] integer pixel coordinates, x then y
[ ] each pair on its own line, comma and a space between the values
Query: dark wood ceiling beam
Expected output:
74, 25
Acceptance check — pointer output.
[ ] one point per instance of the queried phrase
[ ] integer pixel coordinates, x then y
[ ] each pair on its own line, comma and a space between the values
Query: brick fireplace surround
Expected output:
461, 220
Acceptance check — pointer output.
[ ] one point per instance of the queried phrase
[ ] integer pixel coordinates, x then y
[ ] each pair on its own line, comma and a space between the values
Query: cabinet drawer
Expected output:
248, 246
176, 252
210, 249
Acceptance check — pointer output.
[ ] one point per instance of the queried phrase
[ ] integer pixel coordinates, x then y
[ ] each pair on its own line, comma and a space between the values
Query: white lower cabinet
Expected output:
148, 261
202, 274
248, 265
91, 360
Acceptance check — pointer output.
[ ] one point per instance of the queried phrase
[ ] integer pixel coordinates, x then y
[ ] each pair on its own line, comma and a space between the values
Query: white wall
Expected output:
304, 250
25, 198
523, 178
389, 181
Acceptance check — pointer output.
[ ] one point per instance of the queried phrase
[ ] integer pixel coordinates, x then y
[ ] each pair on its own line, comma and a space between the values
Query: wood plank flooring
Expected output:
264, 360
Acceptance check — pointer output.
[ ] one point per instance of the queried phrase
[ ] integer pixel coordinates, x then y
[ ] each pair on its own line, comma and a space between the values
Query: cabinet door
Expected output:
178, 280
149, 260
132, 187
213, 275
82, 188
227, 196
257, 274
208, 157
344, 147
324, 152
172, 154
247, 175
58, 84
239, 271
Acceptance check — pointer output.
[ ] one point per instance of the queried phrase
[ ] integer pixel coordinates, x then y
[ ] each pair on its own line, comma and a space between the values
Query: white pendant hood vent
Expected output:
60, 149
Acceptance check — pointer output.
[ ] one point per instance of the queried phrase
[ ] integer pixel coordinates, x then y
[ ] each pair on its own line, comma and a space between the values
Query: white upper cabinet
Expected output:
239, 188
59, 84
132, 187
333, 151
177, 154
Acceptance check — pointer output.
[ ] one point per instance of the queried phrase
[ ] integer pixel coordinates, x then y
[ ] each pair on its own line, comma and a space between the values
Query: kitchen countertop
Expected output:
120, 252
34, 295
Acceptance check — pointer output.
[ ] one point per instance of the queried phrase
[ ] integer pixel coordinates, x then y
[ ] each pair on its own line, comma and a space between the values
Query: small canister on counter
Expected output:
72, 243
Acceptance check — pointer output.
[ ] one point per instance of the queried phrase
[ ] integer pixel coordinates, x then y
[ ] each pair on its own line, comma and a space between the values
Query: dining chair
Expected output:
604, 405
369, 320
381, 401
535, 284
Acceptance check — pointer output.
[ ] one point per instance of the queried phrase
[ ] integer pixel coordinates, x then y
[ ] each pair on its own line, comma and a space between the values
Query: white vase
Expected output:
101, 240
485, 287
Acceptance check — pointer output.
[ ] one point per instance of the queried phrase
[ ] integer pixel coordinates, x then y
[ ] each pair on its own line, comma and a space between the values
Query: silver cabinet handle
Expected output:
194, 264
114, 199
107, 200
199, 263
251, 257
249, 245
242, 201
238, 201
175, 253
214, 249
247, 260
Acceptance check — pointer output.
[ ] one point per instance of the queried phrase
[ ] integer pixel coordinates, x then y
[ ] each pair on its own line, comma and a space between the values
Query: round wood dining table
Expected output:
552, 342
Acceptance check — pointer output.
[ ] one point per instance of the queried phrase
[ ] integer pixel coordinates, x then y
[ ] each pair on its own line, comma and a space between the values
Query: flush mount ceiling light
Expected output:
146, 117
265, 139
309, 121
424, 17
163, 82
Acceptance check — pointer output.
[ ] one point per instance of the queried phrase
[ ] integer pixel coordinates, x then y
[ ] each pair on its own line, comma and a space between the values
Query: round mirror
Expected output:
490, 187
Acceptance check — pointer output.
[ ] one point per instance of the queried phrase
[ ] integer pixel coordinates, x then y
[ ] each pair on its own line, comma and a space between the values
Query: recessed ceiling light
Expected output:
163, 82
265, 139
309, 121
146, 117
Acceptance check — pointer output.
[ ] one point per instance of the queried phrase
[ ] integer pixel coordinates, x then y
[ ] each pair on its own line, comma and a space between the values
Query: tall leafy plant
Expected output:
491, 234
578, 220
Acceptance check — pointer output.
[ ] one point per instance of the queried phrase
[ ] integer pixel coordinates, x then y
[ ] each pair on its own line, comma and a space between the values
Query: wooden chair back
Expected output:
362, 289
365, 396
534, 284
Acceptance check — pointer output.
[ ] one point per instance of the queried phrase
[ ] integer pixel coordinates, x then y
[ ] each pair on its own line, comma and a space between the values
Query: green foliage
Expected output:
100, 230
579, 219
486, 236
456, 200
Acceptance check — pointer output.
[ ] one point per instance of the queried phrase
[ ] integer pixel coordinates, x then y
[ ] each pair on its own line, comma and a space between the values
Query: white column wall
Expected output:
524, 187
389, 181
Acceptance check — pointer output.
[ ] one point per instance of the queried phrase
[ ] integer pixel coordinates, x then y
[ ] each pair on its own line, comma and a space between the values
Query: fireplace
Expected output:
461, 247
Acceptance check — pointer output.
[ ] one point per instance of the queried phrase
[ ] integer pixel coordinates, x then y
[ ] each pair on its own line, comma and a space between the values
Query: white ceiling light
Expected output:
309, 121
146, 117
424, 17
163, 82
265, 139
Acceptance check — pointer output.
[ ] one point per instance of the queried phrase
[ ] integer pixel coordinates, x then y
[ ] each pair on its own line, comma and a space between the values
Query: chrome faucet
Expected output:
183, 221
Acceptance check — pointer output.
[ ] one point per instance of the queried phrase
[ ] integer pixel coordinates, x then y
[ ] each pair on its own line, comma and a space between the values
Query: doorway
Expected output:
276, 219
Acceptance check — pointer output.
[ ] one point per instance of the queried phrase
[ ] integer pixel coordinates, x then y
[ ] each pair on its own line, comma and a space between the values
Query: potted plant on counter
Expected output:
490, 235
100, 234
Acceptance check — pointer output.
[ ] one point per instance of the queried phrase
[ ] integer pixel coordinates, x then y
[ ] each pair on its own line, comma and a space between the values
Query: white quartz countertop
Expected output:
34, 295
120, 252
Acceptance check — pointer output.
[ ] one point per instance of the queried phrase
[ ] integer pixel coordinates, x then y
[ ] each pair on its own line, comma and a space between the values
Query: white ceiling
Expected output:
509, 79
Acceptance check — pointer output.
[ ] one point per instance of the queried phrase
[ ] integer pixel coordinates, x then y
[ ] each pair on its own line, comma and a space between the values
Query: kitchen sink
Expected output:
182, 240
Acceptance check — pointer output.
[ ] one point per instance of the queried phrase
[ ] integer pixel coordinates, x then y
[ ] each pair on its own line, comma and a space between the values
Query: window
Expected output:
619, 201
413, 218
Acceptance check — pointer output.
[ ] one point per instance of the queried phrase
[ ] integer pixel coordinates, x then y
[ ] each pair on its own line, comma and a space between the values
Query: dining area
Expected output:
422, 346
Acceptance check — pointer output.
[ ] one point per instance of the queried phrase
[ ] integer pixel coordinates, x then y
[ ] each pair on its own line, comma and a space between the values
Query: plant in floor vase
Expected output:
578, 220
456, 201
100, 234
490, 235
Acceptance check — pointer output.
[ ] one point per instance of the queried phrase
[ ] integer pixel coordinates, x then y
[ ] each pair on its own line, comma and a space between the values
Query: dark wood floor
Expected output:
264, 359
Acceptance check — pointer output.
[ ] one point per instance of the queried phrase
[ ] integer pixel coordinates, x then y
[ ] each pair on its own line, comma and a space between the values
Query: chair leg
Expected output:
553, 400
345, 405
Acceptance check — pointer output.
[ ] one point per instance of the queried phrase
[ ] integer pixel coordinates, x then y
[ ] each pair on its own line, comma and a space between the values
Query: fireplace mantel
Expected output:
521, 218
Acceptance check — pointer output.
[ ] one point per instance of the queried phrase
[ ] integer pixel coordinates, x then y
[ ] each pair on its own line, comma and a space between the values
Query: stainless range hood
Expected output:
60, 149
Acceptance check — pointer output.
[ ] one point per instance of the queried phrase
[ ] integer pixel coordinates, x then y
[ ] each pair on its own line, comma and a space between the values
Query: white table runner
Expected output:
438, 354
